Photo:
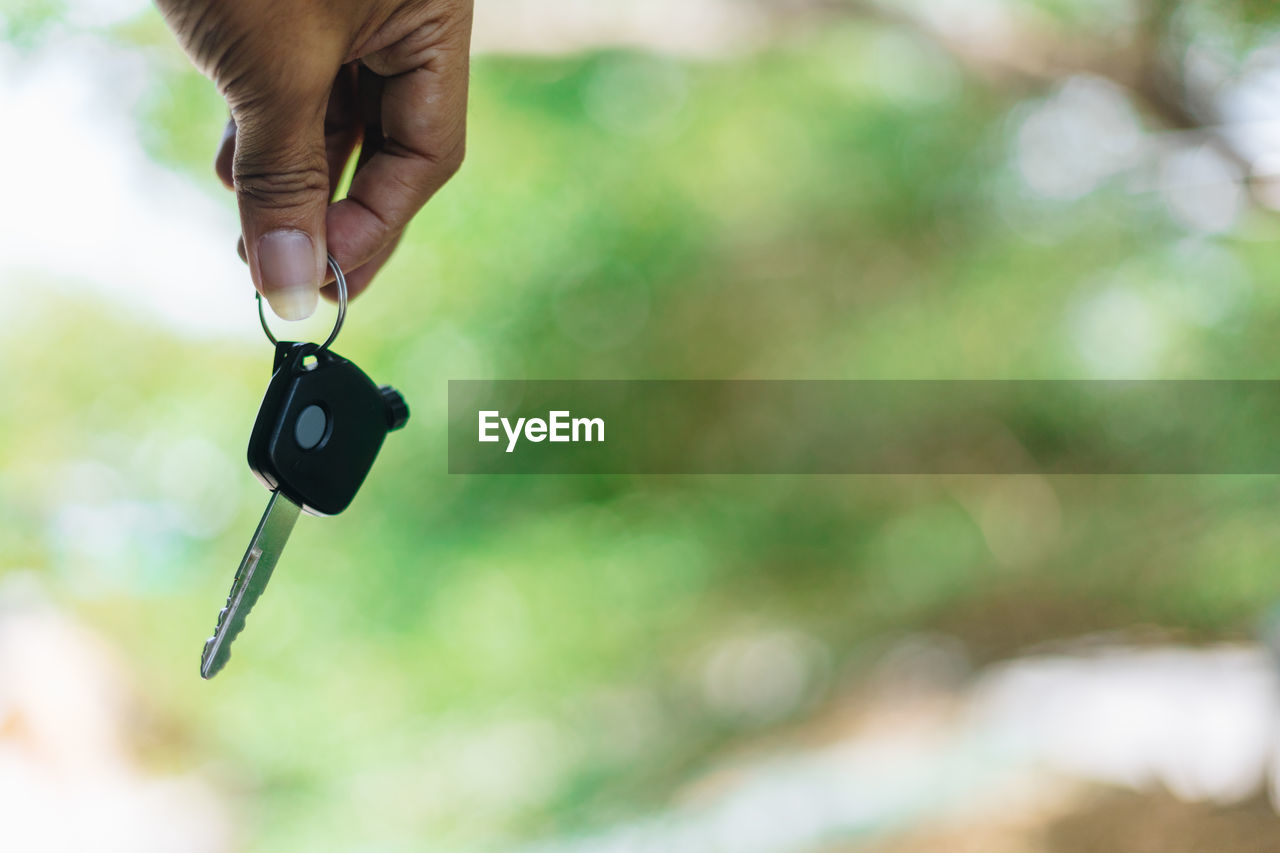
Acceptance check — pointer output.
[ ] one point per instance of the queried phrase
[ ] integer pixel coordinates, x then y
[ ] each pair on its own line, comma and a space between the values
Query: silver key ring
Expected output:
341, 281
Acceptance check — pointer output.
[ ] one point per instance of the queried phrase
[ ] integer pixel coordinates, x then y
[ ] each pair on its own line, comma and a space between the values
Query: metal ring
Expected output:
341, 281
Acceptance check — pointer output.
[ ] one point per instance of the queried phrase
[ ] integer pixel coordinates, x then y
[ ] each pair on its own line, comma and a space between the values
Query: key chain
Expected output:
319, 429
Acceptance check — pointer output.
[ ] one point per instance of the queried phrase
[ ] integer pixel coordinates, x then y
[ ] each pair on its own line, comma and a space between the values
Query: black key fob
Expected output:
320, 426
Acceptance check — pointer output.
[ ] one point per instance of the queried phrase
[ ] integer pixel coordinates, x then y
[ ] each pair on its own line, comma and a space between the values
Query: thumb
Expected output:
281, 177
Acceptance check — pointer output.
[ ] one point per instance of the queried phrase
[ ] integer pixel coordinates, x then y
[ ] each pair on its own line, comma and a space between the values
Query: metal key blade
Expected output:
251, 579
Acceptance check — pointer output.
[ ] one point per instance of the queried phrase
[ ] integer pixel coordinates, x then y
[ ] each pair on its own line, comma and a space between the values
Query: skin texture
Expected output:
309, 82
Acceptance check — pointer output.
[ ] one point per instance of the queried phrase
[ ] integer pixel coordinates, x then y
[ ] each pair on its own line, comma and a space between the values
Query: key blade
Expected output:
251, 579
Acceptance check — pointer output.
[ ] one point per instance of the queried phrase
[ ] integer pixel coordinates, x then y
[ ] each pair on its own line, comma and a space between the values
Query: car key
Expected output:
318, 431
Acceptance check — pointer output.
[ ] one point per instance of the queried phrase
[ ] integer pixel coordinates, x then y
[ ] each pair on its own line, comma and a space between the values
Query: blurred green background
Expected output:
864, 193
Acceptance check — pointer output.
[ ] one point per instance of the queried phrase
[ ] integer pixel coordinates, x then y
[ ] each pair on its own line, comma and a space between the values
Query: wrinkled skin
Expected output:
308, 82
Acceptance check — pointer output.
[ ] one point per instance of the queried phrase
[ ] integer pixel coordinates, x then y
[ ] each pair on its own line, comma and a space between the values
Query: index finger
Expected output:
423, 117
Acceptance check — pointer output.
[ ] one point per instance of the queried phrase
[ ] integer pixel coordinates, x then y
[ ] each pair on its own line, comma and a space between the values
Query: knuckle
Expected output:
451, 161
282, 188
414, 50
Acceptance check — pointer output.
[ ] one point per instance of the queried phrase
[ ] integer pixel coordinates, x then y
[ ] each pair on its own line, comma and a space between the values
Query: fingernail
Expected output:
290, 277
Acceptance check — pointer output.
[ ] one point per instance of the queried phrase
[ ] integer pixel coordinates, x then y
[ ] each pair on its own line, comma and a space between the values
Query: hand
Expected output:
307, 81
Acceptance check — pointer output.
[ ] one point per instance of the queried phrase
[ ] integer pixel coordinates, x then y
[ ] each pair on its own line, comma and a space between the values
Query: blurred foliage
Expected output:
24, 22
478, 661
